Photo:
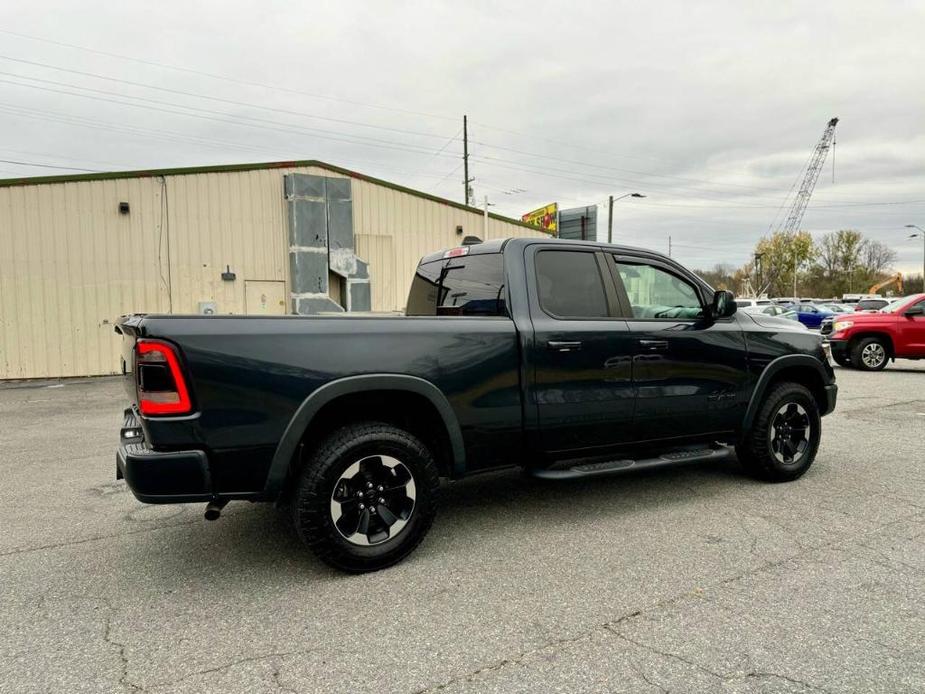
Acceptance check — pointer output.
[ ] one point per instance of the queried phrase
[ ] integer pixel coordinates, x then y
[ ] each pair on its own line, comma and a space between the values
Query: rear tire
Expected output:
366, 497
784, 437
870, 354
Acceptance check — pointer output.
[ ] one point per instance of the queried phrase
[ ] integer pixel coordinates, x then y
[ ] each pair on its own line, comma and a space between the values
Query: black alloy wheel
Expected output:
790, 432
373, 500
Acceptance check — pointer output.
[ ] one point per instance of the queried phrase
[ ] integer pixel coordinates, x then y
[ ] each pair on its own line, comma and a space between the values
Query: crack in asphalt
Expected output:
95, 538
233, 663
724, 677
279, 685
695, 592
123, 658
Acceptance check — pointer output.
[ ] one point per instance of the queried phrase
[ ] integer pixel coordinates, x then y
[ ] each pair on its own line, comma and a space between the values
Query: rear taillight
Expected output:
159, 379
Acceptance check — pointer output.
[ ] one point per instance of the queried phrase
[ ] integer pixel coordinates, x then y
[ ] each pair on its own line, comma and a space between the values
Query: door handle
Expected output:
563, 346
654, 345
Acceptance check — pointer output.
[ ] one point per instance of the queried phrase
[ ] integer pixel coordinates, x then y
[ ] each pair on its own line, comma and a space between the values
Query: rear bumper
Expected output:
159, 477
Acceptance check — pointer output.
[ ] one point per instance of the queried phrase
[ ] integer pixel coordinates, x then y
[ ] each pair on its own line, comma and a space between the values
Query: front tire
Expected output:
870, 354
366, 497
784, 437
842, 361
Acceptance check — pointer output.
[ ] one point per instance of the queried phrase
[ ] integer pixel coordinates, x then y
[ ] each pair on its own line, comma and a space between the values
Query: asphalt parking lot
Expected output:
694, 579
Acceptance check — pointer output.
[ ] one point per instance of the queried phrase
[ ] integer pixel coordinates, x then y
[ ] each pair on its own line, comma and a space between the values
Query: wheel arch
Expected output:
798, 368
365, 392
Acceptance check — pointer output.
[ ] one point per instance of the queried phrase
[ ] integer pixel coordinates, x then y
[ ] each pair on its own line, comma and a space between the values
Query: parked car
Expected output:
811, 315
837, 308
571, 359
870, 304
774, 310
751, 303
868, 340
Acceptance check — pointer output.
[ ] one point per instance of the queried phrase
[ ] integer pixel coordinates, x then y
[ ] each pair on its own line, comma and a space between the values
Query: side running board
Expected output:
626, 465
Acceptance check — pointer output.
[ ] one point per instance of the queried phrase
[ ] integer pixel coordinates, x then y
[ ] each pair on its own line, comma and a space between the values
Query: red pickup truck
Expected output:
868, 340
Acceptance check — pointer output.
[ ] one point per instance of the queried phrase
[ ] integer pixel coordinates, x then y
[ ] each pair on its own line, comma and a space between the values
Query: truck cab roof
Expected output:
499, 245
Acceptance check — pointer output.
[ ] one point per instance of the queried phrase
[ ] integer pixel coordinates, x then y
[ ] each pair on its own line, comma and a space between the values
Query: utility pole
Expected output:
758, 274
466, 179
921, 232
669, 245
485, 230
610, 201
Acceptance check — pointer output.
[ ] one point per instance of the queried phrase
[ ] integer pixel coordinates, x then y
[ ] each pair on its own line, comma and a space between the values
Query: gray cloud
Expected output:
709, 108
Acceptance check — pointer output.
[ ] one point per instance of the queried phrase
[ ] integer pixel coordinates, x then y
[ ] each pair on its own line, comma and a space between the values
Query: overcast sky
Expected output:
710, 109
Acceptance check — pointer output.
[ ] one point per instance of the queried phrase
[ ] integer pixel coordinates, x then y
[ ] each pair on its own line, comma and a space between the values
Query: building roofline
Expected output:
220, 168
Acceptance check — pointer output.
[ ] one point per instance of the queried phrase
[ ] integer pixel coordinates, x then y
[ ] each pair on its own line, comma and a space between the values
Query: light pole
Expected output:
912, 236
611, 201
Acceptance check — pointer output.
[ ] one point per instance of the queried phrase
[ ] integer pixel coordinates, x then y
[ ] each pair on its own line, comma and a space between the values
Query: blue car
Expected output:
811, 315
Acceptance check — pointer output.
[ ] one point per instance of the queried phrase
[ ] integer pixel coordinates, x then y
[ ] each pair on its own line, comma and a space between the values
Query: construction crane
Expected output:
896, 279
813, 169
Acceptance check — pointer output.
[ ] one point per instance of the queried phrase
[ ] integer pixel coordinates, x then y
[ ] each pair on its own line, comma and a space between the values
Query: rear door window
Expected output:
470, 285
569, 285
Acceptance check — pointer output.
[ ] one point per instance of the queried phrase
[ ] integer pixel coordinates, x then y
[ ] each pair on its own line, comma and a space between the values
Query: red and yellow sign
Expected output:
546, 217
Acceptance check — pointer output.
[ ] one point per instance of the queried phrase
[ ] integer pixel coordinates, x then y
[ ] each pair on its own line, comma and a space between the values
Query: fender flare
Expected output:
279, 466
773, 368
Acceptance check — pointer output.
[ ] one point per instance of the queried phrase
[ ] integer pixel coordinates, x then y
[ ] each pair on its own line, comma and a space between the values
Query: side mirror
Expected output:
914, 311
724, 304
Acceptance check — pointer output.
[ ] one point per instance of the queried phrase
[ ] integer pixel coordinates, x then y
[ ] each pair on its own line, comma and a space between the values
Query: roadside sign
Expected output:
545, 217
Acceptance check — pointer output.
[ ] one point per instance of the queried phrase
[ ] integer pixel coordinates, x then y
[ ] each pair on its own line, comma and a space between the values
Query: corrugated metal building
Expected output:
78, 251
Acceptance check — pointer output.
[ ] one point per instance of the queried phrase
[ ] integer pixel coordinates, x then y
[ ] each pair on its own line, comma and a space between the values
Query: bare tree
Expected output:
877, 258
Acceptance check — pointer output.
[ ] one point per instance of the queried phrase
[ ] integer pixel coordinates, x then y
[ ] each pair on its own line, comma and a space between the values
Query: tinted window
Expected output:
570, 285
655, 293
471, 285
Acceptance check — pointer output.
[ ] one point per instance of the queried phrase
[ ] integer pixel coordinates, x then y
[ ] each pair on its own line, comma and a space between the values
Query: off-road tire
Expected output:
323, 467
860, 358
756, 451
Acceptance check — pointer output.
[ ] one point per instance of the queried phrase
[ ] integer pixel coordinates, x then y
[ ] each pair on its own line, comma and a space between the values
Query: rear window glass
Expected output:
471, 285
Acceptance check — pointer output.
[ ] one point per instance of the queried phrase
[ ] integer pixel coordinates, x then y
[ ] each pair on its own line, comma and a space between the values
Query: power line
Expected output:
613, 168
225, 117
207, 97
250, 121
280, 88
224, 78
48, 166
722, 204
171, 136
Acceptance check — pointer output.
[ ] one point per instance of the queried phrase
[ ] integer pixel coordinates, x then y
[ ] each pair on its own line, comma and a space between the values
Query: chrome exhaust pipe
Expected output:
214, 509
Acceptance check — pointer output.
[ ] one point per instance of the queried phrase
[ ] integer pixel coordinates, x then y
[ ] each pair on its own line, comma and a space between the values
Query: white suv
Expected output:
743, 303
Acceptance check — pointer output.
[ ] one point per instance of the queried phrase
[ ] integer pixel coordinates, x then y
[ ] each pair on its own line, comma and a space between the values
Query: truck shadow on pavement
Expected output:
259, 539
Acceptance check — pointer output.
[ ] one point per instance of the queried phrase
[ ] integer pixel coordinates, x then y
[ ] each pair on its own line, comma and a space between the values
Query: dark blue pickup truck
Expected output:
569, 359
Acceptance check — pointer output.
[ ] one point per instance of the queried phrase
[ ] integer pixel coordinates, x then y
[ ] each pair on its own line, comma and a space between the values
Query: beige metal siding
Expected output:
70, 263
376, 249
417, 227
